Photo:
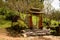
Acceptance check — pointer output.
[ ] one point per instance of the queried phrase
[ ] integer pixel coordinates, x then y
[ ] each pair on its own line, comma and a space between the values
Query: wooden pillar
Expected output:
40, 22
30, 22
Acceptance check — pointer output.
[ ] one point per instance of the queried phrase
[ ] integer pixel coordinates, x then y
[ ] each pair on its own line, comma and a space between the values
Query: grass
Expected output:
4, 24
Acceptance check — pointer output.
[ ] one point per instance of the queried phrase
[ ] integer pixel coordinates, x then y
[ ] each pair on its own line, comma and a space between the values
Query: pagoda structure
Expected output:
36, 12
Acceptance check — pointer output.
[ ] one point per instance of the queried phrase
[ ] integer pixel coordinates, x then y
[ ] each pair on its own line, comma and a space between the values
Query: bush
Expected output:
15, 30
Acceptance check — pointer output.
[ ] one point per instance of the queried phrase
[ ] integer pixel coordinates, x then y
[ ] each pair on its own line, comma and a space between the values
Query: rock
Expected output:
24, 35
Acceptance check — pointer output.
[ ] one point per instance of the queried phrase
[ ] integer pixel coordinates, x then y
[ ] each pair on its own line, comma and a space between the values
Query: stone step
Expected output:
36, 32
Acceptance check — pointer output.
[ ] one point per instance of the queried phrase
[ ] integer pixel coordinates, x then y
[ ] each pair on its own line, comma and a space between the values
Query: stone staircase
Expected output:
36, 32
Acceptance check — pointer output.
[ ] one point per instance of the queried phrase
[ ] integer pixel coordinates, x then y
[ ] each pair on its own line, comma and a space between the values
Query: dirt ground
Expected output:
3, 36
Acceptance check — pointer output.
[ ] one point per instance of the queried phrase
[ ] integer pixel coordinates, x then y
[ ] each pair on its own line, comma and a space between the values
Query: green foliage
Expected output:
6, 18
5, 14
